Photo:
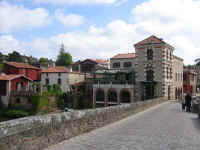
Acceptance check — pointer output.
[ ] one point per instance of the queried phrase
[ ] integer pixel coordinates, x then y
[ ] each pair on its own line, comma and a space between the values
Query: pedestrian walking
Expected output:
188, 100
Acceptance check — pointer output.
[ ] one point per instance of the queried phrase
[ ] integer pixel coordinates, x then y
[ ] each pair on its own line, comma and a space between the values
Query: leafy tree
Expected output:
64, 58
15, 56
1, 57
44, 61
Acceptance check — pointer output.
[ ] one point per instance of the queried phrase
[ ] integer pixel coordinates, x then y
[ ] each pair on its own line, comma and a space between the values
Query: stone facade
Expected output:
158, 73
178, 77
39, 132
54, 77
61, 76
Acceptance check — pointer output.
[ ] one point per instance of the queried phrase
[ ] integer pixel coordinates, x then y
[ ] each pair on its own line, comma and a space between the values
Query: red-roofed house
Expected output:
10, 84
123, 61
62, 76
27, 70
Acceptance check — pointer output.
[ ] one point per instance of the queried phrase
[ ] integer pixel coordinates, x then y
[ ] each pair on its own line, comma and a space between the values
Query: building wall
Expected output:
132, 60
19, 80
7, 69
161, 61
74, 78
5, 98
33, 74
53, 79
178, 76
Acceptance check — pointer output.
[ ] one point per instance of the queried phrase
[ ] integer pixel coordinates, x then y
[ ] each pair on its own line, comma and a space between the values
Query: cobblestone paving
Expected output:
164, 127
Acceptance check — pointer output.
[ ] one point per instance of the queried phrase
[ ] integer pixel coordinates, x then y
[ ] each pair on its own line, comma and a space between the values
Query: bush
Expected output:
16, 113
60, 101
39, 102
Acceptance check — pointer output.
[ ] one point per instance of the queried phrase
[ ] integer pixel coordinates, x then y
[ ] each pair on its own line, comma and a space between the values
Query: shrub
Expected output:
16, 113
39, 102
60, 101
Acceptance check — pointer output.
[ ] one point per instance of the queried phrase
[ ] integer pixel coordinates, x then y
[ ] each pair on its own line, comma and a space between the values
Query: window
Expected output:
116, 65
59, 81
149, 54
170, 73
47, 74
127, 64
47, 81
18, 100
170, 53
59, 74
167, 72
150, 75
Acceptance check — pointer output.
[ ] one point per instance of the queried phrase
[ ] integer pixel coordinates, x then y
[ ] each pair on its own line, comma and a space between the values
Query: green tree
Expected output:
15, 56
64, 58
44, 61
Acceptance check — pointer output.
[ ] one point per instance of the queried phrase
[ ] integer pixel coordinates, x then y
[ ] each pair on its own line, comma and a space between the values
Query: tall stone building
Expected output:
154, 68
156, 72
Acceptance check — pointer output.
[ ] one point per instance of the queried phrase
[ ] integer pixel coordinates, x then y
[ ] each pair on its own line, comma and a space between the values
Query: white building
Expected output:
62, 76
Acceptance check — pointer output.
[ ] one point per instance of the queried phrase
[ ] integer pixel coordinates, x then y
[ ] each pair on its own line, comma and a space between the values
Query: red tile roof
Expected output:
124, 56
152, 39
20, 65
12, 76
101, 61
56, 69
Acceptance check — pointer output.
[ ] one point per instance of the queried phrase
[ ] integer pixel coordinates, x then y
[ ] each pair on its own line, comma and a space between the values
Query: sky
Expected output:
98, 28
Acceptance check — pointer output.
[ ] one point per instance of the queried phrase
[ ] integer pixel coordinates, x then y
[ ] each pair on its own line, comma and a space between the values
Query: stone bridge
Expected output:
158, 125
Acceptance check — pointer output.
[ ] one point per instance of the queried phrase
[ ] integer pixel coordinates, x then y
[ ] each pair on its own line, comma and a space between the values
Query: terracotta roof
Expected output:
101, 61
152, 39
124, 56
20, 65
12, 76
56, 69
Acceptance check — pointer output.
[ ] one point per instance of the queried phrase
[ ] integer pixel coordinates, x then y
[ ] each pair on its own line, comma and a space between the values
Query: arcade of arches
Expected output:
112, 96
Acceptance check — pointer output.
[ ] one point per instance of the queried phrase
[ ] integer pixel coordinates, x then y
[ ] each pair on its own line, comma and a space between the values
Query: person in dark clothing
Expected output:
188, 100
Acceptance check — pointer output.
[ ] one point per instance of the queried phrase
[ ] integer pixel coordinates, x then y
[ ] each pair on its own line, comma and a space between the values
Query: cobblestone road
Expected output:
164, 127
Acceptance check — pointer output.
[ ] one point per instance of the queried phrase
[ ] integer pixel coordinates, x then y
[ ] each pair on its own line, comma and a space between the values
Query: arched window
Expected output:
125, 97
150, 76
149, 54
112, 96
100, 95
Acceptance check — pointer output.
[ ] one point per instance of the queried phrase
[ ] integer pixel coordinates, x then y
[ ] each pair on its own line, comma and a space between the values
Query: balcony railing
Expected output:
103, 81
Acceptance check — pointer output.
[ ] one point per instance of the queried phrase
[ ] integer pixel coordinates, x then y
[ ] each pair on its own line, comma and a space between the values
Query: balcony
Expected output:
113, 83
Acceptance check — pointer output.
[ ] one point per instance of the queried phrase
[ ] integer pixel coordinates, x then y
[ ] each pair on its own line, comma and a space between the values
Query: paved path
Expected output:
164, 127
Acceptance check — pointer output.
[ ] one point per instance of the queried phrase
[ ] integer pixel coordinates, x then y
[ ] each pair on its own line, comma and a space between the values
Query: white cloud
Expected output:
71, 2
70, 19
8, 44
16, 17
174, 21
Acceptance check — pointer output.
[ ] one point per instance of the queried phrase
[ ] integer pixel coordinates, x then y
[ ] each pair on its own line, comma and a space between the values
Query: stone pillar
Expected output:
94, 98
118, 97
105, 98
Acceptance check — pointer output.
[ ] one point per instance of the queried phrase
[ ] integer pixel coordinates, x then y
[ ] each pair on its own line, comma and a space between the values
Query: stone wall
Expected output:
39, 132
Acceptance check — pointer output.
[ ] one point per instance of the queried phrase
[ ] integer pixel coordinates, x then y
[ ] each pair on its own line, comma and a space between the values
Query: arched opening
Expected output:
112, 96
100, 95
125, 97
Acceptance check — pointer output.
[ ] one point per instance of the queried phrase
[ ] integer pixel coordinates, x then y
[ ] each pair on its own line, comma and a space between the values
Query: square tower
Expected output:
154, 73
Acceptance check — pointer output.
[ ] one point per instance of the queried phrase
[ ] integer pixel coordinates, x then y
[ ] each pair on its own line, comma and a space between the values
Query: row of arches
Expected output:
112, 96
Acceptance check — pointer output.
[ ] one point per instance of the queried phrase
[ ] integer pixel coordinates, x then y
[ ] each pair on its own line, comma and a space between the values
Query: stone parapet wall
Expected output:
39, 132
